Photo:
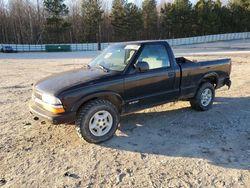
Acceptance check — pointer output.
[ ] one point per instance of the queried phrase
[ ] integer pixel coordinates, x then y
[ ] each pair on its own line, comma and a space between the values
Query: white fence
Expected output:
209, 38
172, 42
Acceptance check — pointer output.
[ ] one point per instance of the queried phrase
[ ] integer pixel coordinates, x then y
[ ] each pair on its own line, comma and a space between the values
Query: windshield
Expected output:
115, 57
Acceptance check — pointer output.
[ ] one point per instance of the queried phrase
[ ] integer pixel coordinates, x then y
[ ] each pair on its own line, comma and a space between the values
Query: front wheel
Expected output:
97, 121
204, 97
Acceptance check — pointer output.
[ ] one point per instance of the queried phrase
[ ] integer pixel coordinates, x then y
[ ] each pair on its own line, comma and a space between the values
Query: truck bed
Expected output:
192, 72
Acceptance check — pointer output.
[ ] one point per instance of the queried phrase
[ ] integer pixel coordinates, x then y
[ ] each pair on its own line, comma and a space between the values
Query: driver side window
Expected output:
155, 55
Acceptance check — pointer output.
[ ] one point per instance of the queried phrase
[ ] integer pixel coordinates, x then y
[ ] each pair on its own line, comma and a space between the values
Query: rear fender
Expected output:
212, 77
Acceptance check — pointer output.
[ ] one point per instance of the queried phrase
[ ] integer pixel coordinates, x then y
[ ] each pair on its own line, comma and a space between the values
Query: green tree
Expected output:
133, 20
150, 19
206, 17
118, 20
222, 18
56, 25
92, 17
166, 21
225, 24
240, 15
182, 18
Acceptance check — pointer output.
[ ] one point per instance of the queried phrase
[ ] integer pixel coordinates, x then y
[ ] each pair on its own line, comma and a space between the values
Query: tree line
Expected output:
80, 21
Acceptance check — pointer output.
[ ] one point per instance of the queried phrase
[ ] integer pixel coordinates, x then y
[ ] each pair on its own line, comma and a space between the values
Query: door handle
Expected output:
171, 74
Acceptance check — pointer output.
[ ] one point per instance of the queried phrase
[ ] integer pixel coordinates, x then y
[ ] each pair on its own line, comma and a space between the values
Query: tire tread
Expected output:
195, 102
81, 115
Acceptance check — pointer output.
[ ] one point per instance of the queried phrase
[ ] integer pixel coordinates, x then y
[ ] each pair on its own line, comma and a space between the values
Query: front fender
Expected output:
100, 94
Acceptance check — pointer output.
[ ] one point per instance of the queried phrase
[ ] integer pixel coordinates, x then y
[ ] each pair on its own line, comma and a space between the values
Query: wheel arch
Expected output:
113, 97
211, 77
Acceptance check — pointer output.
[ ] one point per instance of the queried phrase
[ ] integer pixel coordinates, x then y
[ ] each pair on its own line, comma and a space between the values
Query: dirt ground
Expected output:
166, 146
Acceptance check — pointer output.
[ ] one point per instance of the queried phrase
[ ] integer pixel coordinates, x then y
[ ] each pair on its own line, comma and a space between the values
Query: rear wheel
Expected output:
97, 121
204, 97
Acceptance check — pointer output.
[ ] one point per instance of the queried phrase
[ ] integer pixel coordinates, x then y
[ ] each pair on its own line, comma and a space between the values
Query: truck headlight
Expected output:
52, 104
51, 99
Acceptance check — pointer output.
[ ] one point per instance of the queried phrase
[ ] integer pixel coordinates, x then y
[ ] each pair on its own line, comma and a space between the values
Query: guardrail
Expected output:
172, 42
209, 38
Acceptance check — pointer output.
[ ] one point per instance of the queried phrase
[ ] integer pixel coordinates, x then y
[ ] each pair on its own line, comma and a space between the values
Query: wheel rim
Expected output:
100, 123
206, 97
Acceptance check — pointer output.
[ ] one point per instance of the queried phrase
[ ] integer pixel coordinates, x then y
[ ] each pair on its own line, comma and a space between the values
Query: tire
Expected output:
91, 120
201, 103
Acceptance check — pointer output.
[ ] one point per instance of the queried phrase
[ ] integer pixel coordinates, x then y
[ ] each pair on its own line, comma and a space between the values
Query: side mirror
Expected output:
141, 66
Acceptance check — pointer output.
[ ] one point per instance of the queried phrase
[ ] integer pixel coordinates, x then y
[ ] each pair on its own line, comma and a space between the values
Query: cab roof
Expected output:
142, 42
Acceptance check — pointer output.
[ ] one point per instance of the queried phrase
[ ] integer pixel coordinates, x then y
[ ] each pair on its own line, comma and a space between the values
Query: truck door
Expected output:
155, 86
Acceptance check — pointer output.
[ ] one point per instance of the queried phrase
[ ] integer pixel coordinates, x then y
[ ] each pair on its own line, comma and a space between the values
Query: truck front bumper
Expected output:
65, 117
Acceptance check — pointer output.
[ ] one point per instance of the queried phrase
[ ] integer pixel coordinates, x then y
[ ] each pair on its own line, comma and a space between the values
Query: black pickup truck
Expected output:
124, 78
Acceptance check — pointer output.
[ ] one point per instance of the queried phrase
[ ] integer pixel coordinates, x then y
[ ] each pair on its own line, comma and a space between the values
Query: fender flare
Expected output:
209, 75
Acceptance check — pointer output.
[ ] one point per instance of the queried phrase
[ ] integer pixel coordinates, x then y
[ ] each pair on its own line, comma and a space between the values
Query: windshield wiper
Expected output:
103, 68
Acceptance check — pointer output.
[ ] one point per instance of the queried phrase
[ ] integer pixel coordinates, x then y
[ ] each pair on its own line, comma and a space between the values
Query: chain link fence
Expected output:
94, 46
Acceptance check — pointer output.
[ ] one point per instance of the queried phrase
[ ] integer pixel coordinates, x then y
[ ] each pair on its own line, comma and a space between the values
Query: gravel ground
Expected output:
166, 146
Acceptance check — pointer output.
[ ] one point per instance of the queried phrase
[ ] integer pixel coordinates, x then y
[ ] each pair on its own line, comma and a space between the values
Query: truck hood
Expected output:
59, 82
